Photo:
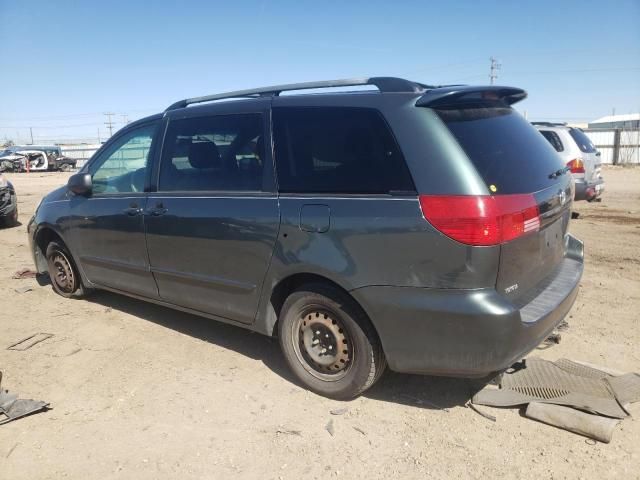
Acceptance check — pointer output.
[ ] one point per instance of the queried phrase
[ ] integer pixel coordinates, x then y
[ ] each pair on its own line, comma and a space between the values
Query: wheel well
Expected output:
43, 238
288, 285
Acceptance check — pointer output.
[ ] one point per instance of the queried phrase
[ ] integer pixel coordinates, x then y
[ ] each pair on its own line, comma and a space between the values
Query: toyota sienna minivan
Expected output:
415, 226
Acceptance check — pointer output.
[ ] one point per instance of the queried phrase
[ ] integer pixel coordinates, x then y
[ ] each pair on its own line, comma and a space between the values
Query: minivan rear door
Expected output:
512, 158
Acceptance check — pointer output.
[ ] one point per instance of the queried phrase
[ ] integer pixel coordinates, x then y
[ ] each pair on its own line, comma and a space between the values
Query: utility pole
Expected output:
109, 122
495, 66
125, 118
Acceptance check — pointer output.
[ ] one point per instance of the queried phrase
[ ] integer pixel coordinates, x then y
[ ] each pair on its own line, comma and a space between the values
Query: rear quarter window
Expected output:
584, 143
509, 154
337, 150
554, 139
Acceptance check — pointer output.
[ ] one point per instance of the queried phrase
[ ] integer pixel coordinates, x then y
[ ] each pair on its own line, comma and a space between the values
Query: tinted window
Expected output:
508, 153
337, 150
584, 143
553, 139
220, 153
121, 168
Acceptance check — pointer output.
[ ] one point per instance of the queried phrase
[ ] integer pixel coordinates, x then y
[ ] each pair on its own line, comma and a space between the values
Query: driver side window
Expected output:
122, 167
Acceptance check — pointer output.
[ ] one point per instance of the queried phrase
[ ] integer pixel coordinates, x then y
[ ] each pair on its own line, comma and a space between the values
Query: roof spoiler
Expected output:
461, 94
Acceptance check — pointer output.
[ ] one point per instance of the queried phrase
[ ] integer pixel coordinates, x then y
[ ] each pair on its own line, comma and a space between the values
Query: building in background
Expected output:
617, 137
630, 120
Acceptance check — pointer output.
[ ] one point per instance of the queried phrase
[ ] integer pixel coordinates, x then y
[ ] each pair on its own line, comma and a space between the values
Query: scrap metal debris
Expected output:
30, 341
282, 431
586, 394
358, 429
12, 408
480, 412
554, 337
329, 428
339, 411
24, 273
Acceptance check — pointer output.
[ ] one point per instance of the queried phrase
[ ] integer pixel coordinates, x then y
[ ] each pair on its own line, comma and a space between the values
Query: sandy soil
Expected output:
140, 391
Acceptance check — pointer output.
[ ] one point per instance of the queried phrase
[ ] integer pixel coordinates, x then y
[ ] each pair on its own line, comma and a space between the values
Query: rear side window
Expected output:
508, 153
553, 139
217, 153
584, 143
337, 150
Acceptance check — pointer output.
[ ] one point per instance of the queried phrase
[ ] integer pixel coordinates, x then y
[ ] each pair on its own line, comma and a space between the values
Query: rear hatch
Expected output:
590, 155
529, 186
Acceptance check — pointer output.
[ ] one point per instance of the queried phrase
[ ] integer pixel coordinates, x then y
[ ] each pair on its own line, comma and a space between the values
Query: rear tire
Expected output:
329, 343
63, 273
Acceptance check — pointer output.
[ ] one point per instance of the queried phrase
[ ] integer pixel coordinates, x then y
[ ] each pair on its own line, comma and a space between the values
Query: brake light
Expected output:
576, 165
482, 219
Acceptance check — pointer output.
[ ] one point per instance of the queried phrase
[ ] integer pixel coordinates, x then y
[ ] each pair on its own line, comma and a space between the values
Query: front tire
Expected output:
63, 273
329, 343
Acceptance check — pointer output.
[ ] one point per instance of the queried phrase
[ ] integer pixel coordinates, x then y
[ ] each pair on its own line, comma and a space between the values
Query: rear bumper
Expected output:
589, 190
469, 333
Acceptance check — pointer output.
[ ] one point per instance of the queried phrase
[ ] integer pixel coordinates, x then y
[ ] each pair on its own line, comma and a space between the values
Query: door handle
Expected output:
132, 211
156, 212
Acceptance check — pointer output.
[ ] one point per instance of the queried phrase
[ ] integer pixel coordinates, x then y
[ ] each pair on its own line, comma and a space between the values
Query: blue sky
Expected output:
65, 63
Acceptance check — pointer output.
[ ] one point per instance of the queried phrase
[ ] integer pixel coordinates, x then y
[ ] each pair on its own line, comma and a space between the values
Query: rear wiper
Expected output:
559, 172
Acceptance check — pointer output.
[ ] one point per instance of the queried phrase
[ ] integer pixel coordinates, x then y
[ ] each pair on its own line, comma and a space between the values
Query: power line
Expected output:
53, 126
109, 122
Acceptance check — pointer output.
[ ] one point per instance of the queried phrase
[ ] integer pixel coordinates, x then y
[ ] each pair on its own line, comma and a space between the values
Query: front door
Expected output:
107, 227
212, 224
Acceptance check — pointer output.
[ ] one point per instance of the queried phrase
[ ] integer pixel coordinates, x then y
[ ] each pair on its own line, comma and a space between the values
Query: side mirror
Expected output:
80, 183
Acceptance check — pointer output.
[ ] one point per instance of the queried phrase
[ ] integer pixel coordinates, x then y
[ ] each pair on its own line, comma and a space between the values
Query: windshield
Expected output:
508, 153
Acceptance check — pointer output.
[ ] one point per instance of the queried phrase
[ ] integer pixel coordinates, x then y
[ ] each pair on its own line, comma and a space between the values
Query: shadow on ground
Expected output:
415, 390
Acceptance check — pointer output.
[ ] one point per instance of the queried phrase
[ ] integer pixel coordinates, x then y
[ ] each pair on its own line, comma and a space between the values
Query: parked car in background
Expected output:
22, 158
420, 227
579, 154
8, 203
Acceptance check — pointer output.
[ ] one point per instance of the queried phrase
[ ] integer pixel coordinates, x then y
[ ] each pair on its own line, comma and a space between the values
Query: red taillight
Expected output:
576, 165
481, 219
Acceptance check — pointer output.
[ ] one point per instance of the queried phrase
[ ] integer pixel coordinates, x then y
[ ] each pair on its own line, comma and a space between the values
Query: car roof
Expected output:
398, 89
551, 126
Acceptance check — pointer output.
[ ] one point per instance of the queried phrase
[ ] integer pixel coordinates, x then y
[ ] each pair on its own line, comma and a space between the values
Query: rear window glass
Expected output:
337, 150
584, 143
553, 139
508, 153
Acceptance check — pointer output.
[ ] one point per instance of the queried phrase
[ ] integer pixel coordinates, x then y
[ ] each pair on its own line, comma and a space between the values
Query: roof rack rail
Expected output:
550, 124
384, 84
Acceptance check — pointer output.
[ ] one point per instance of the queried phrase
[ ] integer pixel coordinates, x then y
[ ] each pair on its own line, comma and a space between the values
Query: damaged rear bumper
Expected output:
469, 333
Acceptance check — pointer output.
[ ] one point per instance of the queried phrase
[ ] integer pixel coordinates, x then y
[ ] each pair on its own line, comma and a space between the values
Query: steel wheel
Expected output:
63, 274
328, 342
323, 345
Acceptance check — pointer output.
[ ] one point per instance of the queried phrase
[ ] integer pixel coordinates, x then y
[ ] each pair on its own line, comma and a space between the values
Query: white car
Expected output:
579, 155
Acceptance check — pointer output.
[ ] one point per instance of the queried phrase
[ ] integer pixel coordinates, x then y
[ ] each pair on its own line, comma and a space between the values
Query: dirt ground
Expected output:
141, 391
